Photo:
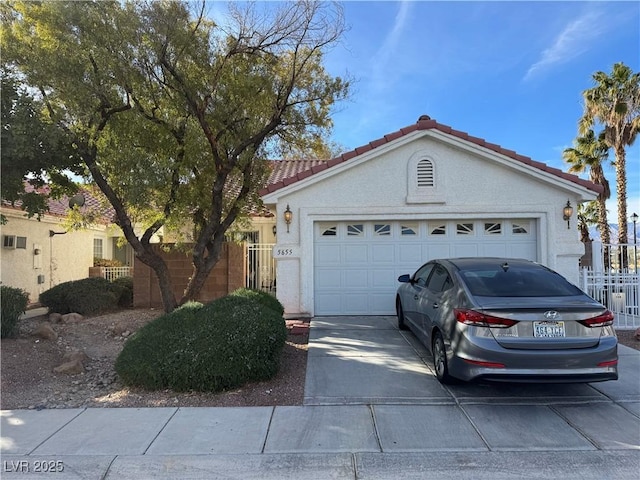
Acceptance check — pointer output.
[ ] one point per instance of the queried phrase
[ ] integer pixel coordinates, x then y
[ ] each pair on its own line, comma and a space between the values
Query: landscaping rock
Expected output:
55, 317
72, 318
637, 334
45, 331
119, 328
73, 367
74, 355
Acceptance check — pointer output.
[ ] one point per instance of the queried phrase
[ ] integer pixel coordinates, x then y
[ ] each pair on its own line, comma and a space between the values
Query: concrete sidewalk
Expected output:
372, 411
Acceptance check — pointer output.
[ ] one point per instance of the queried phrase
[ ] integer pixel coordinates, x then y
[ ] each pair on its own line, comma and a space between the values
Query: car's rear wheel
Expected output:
440, 363
402, 325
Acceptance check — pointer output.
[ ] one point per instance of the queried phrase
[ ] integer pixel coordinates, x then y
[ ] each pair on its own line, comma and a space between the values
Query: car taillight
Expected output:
478, 319
602, 320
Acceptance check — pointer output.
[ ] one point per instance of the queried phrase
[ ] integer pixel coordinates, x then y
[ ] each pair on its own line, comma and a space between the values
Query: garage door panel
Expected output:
356, 274
382, 253
465, 250
522, 251
435, 250
330, 254
381, 304
355, 303
494, 249
356, 253
356, 279
409, 253
383, 278
328, 278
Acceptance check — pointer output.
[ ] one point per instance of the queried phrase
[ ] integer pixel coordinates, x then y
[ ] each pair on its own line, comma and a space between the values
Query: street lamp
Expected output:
634, 219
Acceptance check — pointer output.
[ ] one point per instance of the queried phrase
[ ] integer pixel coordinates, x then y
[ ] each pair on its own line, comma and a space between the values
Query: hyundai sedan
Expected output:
503, 319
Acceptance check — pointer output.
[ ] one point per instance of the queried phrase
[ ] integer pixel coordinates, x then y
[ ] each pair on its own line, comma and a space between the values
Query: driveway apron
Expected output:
367, 360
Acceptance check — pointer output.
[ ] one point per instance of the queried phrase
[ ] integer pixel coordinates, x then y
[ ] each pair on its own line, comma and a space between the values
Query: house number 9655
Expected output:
284, 252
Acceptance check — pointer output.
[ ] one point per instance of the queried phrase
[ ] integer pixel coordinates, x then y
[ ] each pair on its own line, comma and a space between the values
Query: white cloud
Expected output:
572, 42
388, 51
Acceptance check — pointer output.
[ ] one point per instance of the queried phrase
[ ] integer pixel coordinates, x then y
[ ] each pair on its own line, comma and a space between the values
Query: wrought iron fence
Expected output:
619, 291
261, 267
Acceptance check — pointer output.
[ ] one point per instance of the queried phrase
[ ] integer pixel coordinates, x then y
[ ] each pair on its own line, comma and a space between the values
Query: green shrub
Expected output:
14, 302
264, 298
123, 288
213, 347
87, 296
104, 262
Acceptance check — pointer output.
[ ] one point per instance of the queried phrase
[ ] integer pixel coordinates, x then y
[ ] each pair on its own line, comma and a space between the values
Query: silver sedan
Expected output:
503, 319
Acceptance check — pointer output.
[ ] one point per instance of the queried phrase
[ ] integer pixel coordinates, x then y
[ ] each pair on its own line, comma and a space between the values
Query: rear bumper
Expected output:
533, 366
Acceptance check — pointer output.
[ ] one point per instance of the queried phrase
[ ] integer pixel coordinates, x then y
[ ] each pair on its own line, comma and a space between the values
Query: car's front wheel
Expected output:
402, 325
440, 363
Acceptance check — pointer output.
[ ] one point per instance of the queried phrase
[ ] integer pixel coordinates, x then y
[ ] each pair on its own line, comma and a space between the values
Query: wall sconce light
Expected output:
37, 251
288, 216
567, 211
274, 230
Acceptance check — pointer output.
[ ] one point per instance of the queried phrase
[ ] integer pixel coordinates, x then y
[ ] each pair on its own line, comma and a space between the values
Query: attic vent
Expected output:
425, 174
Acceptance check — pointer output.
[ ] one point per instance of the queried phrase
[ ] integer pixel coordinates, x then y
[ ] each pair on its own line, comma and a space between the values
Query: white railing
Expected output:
619, 291
260, 267
615, 257
111, 273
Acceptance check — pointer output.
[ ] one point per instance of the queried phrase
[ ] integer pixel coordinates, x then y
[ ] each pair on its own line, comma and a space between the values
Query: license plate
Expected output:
548, 329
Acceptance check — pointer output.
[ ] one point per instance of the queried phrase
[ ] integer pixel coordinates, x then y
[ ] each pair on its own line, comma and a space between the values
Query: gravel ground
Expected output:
29, 382
28, 379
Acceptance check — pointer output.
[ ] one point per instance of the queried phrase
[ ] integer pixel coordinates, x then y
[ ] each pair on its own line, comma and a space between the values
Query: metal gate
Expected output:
261, 267
615, 282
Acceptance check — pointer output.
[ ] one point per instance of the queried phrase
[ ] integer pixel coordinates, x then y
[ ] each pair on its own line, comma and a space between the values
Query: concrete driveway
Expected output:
367, 360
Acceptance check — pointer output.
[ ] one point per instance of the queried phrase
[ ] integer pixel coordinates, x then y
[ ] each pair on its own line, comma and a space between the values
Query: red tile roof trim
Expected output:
423, 123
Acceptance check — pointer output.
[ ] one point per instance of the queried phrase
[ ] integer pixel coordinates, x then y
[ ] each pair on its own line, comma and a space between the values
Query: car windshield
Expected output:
517, 282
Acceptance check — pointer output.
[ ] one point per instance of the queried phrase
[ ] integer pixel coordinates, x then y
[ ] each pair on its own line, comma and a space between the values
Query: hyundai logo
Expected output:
551, 315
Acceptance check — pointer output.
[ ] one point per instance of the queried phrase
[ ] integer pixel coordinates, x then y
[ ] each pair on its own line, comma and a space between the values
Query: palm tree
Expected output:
614, 102
589, 152
588, 214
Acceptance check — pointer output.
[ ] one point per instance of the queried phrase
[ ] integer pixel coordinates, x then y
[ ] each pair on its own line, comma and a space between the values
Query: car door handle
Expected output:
415, 297
435, 305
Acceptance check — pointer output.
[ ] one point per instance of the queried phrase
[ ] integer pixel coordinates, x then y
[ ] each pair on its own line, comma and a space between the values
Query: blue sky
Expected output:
509, 72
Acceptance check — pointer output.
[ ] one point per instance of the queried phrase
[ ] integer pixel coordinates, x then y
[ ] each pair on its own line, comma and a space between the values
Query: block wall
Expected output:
227, 276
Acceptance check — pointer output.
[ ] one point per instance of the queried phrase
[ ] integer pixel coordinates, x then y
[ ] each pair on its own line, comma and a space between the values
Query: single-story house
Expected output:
347, 228
37, 255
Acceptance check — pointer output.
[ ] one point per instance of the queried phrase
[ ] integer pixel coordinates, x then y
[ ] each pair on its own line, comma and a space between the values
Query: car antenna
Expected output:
505, 266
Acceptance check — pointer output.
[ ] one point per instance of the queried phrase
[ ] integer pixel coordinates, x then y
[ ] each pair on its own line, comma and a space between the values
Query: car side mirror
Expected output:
404, 278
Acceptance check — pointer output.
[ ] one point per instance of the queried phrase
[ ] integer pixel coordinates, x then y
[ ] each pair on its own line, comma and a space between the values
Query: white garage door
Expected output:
357, 264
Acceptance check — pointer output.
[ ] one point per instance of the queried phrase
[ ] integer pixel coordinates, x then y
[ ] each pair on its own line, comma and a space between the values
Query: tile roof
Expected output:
60, 207
286, 174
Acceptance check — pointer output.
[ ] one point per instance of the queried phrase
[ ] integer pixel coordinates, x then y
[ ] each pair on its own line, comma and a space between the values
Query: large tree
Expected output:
175, 113
614, 103
34, 152
590, 153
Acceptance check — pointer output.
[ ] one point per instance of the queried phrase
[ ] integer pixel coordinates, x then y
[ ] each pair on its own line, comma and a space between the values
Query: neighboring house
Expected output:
426, 191
37, 255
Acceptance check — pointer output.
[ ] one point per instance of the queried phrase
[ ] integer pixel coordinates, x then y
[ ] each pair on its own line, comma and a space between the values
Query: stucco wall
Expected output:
62, 257
471, 185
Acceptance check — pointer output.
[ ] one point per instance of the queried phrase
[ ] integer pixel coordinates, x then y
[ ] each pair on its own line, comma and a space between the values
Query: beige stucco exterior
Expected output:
47, 259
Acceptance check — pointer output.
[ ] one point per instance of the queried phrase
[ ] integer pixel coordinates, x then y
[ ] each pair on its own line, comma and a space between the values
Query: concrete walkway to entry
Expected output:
373, 410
